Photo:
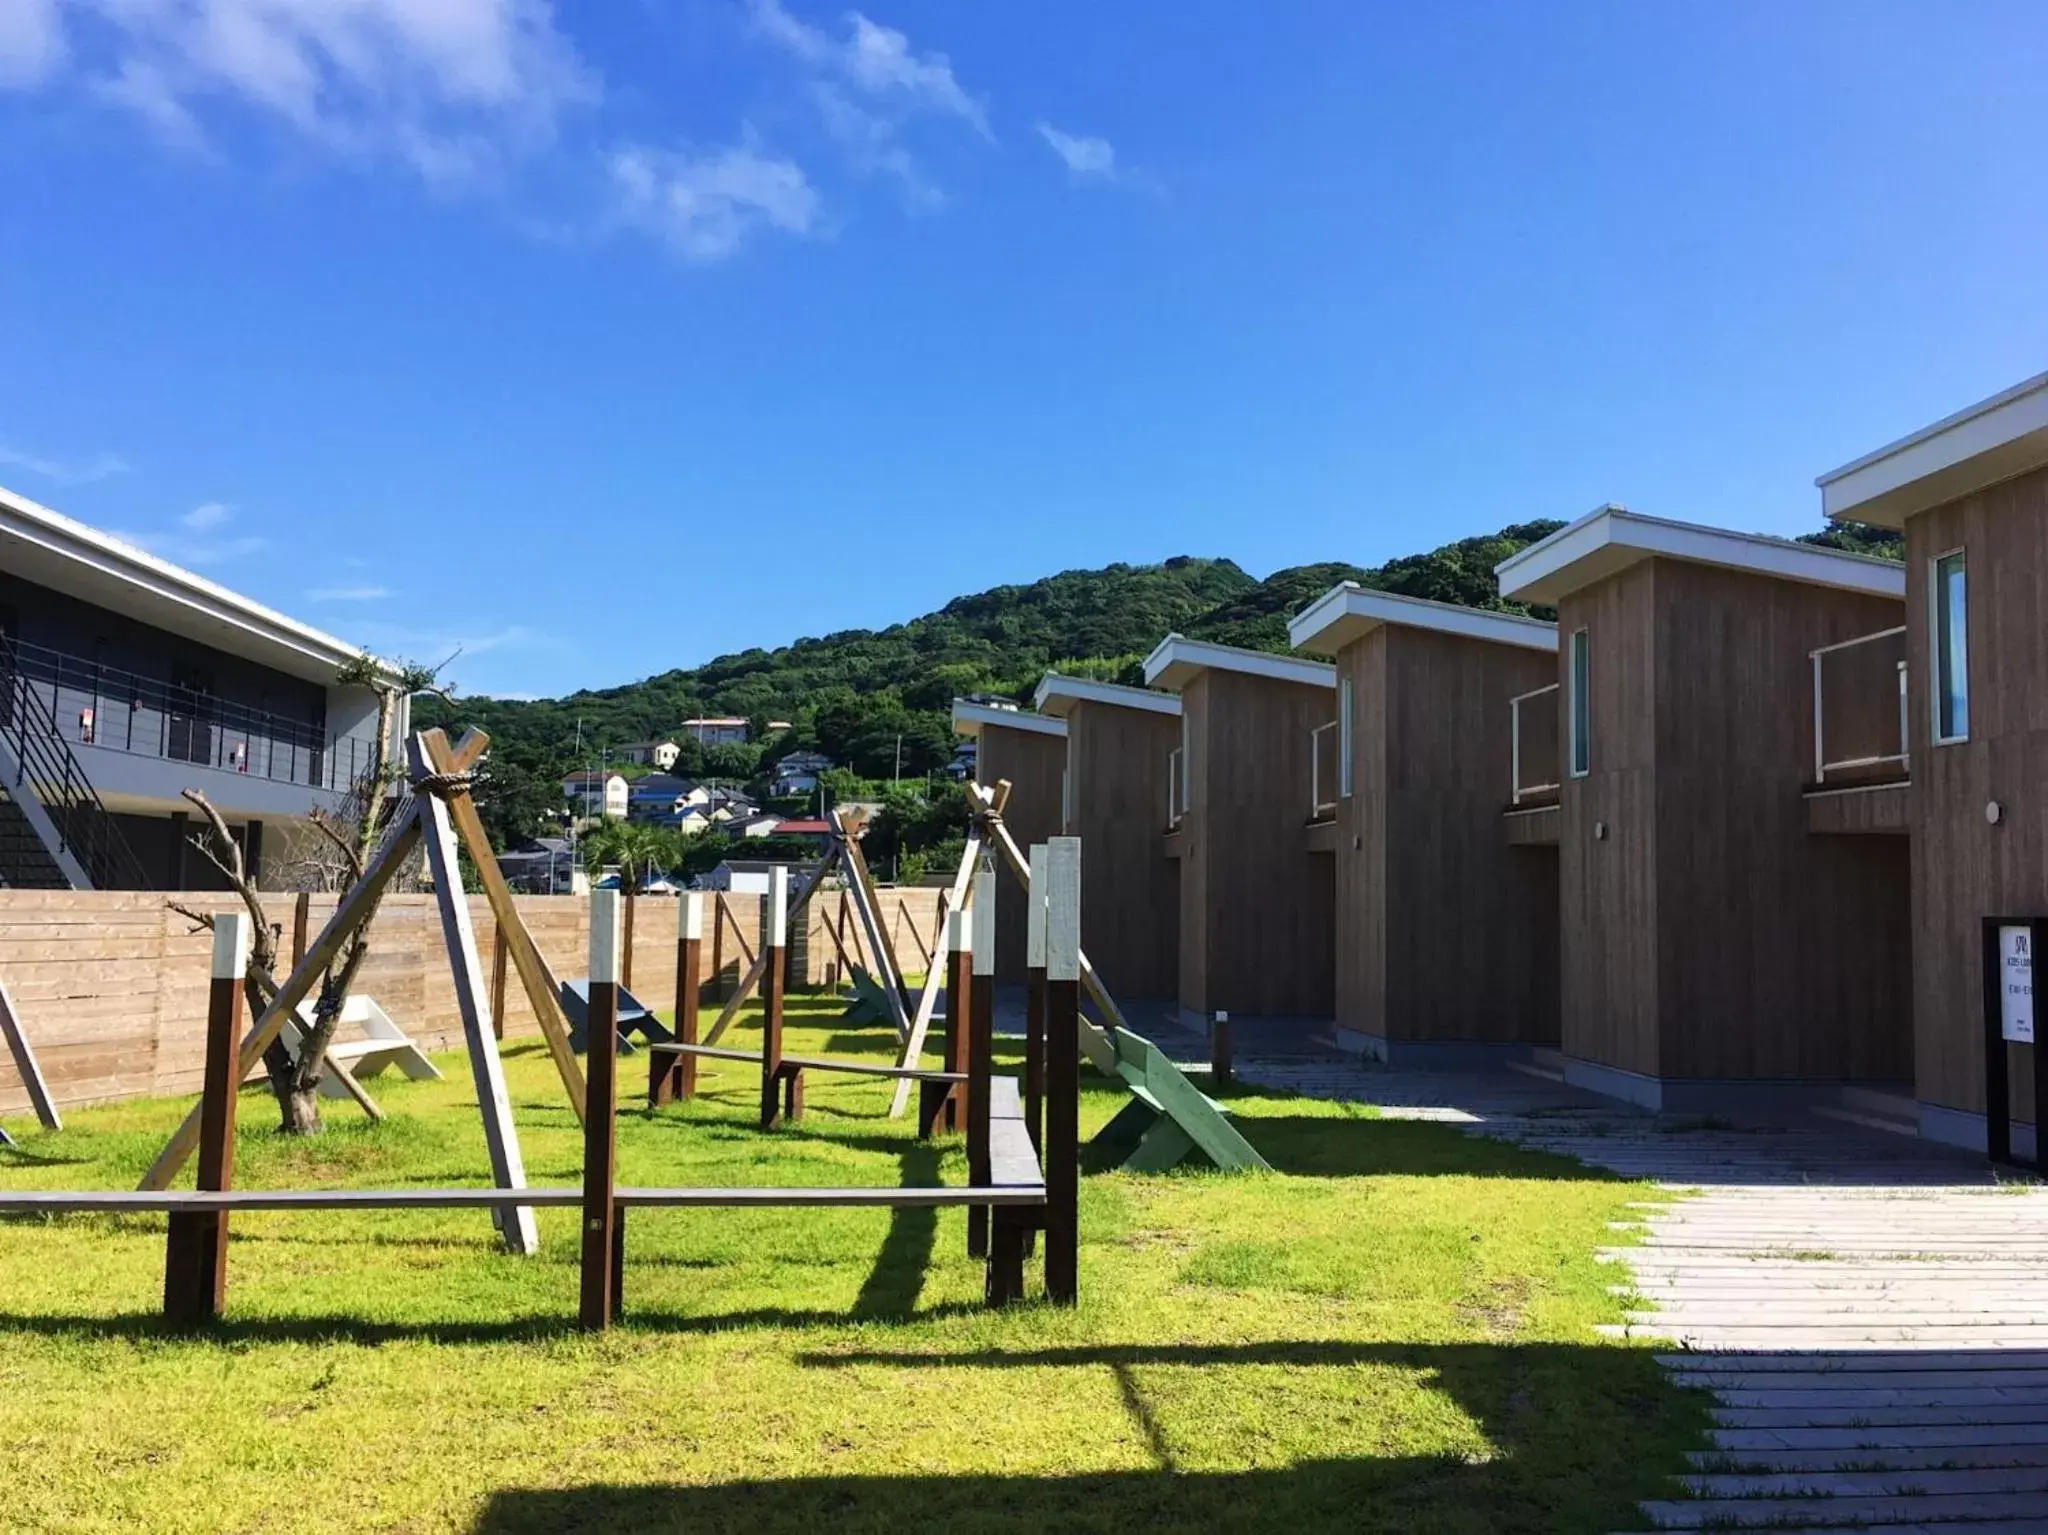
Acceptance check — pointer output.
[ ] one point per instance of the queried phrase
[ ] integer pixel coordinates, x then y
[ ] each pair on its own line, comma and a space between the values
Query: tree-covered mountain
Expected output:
879, 700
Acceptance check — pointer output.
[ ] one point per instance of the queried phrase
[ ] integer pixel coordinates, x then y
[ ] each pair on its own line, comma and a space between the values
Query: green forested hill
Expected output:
860, 694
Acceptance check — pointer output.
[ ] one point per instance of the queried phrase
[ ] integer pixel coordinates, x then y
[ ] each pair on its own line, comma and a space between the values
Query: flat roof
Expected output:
1990, 441
1348, 612
968, 720
1177, 660
51, 550
1058, 694
1611, 538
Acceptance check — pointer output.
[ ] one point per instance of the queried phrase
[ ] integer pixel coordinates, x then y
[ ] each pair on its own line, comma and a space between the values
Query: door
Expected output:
188, 714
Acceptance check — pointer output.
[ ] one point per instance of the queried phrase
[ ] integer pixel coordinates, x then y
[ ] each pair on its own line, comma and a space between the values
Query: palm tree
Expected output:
636, 848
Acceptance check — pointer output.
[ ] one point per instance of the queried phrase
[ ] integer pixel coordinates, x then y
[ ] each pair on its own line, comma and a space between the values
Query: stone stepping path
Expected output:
1869, 1311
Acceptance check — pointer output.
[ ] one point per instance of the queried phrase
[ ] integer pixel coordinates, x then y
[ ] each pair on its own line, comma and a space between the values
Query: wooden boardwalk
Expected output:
1869, 1311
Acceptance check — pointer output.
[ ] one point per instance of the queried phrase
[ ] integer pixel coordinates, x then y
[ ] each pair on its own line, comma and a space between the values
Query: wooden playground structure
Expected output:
1010, 1196
1022, 1137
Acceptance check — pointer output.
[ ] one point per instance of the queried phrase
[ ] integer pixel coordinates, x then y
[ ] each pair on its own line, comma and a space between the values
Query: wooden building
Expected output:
1971, 494
1446, 945
1256, 884
1711, 947
1119, 740
1030, 750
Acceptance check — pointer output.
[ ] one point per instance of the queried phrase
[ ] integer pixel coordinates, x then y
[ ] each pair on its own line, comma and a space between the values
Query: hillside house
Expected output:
1446, 946
1711, 950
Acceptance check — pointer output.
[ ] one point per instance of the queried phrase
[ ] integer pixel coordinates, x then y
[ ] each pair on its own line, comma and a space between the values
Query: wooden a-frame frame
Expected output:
442, 815
988, 831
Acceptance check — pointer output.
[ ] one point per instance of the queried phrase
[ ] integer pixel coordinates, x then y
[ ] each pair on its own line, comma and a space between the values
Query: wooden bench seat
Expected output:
810, 1062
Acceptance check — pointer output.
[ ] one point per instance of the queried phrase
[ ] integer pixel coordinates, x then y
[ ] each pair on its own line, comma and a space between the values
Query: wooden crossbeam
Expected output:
355, 908
543, 993
868, 907
501, 1140
956, 899
25, 1064
1100, 1050
798, 903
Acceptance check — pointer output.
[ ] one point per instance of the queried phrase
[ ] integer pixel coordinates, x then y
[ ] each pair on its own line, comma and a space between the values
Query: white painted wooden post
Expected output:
472, 999
1034, 911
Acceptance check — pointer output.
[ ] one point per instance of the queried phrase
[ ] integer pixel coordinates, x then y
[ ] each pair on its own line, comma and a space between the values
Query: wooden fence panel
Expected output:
112, 985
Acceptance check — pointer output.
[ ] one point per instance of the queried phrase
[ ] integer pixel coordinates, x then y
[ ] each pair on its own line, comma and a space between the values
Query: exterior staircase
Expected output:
54, 832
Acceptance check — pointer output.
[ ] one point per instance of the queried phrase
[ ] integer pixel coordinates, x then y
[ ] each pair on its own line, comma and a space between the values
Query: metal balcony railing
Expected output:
91, 704
1859, 708
1176, 787
1533, 771
1322, 772
85, 834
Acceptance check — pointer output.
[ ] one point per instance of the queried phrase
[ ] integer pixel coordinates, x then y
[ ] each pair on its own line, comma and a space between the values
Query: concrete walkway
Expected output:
1869, 1311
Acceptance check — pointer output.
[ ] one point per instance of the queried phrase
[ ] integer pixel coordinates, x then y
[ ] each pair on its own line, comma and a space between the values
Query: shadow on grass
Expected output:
1355, 1146
1574, 1437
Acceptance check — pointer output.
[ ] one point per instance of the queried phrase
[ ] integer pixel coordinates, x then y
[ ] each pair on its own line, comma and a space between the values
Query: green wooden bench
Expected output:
1168, 1117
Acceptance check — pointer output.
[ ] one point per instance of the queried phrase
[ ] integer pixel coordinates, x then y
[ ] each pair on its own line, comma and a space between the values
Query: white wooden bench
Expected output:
377, 1043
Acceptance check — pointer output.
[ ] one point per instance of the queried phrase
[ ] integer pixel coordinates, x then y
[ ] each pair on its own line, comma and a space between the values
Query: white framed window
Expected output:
1948, 610
1579, 708
1344, 738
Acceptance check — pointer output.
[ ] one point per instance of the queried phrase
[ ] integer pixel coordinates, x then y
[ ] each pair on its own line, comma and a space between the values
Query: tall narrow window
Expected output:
1580, 716
1951, 650
1344, 737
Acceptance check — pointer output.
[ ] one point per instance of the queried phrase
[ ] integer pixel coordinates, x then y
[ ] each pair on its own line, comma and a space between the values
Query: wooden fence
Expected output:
111, 985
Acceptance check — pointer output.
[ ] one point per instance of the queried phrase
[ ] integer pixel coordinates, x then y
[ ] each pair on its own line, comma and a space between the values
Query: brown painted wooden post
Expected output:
959, 1010
196, 1252
1034, 999
302, 922
675, 1076
981, 1045
1062, 1069
603, 1229
1219, 1048
773, 981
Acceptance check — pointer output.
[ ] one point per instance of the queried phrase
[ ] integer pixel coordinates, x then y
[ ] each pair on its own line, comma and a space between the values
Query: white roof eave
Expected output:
1611, 539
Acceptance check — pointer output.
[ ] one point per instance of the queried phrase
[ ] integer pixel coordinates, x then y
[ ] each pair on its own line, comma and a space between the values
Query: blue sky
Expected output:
603, 338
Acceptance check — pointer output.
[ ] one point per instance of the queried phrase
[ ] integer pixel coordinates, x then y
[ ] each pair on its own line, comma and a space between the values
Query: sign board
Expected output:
2016, 982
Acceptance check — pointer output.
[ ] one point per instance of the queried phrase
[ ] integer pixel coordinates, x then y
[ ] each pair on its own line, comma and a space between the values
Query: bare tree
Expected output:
347, 839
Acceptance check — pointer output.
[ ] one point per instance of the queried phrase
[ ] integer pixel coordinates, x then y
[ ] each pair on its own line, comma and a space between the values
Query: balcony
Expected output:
1861, 767
1859, 711
1322, 773
105, 709
1534, 765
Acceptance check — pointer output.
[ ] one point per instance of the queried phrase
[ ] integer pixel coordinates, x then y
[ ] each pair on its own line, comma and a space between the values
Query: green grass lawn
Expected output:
1390, 1332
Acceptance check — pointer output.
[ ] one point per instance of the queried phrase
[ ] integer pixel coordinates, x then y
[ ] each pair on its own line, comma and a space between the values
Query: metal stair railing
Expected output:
85, 829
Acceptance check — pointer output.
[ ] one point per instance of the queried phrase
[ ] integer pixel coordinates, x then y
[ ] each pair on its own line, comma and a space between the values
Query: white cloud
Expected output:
705, 206
101, 466
450, 86
879, 60
31, 42
1083, 156
199, 540
348, 593
868, 85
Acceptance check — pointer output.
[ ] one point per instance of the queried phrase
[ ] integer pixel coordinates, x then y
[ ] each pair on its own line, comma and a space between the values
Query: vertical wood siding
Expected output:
1445, 932
1033, 763
1964, 868
1130, 922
